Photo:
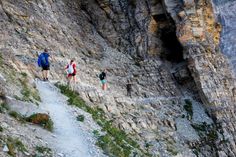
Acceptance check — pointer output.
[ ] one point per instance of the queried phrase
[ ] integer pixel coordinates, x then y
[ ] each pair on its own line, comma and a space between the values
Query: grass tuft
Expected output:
17, 116
29, 93
1, 129
3, 107
14, 144
189, 108
42, 149
96, 133
208, 133
80, 118
23, 74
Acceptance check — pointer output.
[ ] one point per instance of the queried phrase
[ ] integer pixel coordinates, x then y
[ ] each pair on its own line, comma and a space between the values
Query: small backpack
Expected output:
42, 60
70, 69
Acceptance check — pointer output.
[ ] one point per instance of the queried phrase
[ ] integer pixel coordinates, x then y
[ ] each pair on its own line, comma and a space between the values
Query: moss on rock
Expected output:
41, 119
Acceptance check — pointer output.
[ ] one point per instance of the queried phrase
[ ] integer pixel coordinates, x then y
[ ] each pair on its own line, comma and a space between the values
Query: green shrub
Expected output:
207, 132
1, 129
17, 116
3, 107
80, 118
23, 74
28, 93
42, 149
188, 107
96, 133
172, 150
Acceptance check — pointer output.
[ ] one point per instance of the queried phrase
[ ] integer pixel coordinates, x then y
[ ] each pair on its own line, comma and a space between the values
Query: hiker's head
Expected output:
45, 50
72, 60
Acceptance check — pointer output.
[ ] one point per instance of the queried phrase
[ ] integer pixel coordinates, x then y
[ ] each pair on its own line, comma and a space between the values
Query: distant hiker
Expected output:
129, 88
71, 72
43, 61
103, 80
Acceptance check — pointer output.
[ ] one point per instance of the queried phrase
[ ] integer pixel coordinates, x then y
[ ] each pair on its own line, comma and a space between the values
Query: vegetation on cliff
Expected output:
115, 142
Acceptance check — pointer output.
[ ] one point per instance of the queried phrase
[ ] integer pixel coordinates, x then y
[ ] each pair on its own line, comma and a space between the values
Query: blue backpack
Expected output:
43, 60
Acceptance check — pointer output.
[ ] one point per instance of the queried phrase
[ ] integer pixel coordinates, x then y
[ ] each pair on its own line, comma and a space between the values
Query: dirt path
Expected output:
70, 139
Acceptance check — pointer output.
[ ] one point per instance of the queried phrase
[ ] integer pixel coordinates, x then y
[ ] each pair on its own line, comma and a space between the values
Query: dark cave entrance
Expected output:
173, 50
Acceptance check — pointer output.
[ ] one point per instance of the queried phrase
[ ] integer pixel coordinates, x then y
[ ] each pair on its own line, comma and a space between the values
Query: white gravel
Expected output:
71, 139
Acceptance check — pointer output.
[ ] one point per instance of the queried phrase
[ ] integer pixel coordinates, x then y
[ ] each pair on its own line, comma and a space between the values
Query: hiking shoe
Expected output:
46, 79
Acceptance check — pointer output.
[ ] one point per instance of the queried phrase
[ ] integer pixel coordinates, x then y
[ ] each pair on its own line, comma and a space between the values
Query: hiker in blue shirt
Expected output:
43, 61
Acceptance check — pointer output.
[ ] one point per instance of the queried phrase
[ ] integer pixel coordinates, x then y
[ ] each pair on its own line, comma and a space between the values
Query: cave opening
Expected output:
173, 50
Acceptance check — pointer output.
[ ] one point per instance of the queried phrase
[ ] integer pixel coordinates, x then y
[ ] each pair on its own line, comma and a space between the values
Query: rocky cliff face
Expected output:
225, 13
207, 65
184, 92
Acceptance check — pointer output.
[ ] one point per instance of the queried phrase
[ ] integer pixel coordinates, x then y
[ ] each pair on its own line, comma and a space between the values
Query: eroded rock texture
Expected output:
184, 92
199, 34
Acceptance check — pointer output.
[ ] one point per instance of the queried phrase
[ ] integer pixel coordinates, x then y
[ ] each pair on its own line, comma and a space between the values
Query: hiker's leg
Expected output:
128, 92
73, 82
104, 86
74, 79
46, 74
69, 81
42, 75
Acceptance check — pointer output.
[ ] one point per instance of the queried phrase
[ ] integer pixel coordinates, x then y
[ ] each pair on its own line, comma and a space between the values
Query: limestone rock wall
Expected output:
199, 32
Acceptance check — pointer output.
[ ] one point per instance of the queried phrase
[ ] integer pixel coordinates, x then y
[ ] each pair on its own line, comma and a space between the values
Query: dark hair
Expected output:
72, 60
45, 50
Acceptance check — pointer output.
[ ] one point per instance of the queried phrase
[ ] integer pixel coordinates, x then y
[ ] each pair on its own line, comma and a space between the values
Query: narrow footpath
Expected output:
70, 140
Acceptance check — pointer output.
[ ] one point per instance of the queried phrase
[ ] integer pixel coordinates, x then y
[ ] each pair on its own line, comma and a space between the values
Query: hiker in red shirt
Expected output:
71, 73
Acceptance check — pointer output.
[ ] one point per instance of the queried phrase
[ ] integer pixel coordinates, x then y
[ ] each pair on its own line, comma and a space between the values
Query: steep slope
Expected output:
162, 46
